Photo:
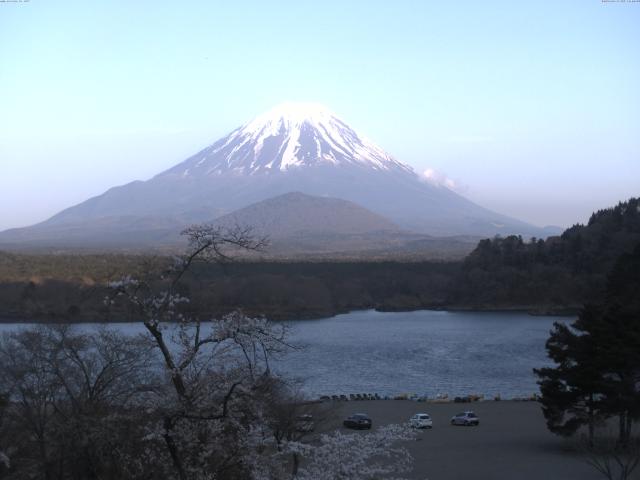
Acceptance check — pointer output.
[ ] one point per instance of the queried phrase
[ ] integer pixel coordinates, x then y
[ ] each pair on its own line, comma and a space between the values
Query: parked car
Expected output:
421, 420
305, 423
465, 418
358, 420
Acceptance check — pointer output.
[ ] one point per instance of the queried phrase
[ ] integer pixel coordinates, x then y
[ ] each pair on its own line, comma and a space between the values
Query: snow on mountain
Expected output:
291, 148
288, 136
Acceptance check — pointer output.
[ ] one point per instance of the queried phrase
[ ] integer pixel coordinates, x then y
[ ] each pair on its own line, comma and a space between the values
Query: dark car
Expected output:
358, 420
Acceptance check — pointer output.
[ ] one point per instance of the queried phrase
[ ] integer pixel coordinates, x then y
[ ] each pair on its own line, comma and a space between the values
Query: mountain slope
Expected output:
297, 214
294, 147
300, 225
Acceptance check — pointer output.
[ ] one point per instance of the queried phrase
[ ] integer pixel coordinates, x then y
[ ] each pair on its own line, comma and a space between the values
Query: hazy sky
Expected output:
531, 107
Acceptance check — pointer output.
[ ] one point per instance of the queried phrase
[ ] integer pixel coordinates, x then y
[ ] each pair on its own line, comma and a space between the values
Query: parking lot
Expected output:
511, 442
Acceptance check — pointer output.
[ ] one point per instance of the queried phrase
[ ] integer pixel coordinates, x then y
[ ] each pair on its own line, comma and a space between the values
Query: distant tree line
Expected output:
279, 290
545, 276
553, 274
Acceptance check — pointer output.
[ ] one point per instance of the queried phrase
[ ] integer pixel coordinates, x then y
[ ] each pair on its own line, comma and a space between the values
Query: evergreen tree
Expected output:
598, 360
572, 391
619, 331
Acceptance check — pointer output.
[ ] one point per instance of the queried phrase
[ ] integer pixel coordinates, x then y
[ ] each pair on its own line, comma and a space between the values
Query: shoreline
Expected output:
469, 399
534, 311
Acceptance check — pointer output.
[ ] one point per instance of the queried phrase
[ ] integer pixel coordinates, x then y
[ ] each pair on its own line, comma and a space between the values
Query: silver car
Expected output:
465, 418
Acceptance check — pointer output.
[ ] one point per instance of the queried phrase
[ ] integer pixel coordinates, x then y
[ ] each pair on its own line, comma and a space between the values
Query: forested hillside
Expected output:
278, 290
560, 272
543, 276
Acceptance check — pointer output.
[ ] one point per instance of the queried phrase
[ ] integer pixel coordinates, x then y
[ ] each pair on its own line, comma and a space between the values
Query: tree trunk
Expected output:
173, 449
624, 428
591, 421
629, 424
46, 464
295, 465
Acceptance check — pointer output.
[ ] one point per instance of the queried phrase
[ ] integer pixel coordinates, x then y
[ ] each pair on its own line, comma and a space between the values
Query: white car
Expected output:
421, 420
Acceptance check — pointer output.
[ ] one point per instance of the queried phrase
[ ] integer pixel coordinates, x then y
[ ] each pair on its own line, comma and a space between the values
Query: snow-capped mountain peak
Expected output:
291, 148
291, 114
289, 136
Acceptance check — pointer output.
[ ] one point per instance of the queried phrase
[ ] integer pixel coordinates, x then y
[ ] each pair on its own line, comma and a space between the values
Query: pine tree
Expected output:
598, 360
572, 391
619, 333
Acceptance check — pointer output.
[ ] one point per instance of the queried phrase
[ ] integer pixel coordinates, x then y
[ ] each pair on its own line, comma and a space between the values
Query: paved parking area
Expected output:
512, 441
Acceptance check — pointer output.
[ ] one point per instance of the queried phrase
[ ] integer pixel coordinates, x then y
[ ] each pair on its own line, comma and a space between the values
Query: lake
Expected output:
423, 352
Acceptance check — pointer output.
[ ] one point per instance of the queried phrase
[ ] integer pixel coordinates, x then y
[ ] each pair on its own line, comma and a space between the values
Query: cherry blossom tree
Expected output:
355, 456
218, 372
193, 398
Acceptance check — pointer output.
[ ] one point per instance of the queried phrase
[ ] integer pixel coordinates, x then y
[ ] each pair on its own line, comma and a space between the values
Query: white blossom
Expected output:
4, 460
125, 281
357, 456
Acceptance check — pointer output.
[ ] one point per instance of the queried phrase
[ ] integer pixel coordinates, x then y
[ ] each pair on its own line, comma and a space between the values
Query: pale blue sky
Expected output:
532, 107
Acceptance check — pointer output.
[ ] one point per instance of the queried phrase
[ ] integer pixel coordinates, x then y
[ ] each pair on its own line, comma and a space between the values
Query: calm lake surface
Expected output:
423, 352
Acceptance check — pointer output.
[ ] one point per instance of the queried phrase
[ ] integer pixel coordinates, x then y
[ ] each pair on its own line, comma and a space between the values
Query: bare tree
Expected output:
613, 460
65, 391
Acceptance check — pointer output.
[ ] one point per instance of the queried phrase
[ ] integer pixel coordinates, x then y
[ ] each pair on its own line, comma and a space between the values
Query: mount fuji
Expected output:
292, 148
